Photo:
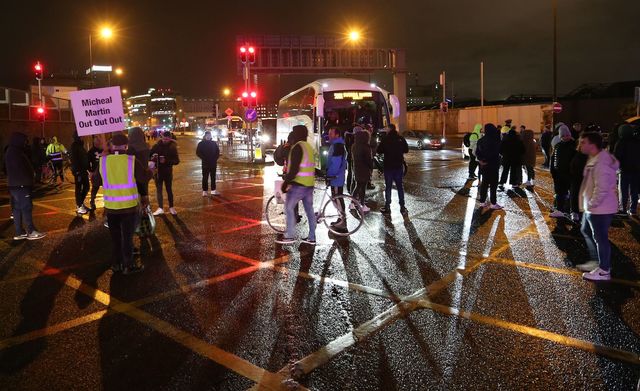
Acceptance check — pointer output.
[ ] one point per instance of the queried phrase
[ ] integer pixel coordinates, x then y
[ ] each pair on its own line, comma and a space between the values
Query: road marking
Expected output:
616, 354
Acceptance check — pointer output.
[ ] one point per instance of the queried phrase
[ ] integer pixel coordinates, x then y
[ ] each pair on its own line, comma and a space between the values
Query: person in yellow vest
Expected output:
298, 185
121, 200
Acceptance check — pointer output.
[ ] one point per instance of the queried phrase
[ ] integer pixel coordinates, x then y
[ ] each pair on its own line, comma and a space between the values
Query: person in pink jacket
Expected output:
598, 200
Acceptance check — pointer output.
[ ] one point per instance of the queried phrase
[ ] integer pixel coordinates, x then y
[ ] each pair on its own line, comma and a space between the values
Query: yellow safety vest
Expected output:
118, 181
307, 172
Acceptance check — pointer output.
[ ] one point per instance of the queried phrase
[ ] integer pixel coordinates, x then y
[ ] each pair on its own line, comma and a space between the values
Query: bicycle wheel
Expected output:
274, 213
353, 217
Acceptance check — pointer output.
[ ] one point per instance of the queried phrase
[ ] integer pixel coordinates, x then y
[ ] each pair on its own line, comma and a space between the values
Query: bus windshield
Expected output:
346, 109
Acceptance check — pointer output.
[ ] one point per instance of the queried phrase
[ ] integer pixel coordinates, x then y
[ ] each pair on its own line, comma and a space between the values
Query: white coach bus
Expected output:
334, 102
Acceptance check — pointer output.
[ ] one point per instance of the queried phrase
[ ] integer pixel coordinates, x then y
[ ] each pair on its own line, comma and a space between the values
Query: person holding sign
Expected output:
165, 155
121, 199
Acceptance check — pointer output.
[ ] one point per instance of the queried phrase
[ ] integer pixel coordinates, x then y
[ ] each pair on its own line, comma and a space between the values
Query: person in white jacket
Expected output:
598, 199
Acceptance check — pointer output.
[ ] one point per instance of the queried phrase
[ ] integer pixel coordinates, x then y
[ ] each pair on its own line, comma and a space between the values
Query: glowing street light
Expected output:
124, 91
226, 92
106, 32
354, 36
119, 71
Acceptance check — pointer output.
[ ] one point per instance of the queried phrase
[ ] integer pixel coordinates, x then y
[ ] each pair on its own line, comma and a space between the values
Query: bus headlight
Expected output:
443, 140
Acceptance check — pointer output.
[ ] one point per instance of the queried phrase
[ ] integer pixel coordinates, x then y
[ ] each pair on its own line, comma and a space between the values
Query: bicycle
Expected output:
330, 210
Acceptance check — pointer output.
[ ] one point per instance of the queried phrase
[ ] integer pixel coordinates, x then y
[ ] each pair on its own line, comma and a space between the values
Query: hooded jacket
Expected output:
337, 162
55, 147
393, 147
474, 137
627, 149
170, 152
598, 192
512, 148
208, 152
17, 162
361, 157
562, 156
530, 147
488, 149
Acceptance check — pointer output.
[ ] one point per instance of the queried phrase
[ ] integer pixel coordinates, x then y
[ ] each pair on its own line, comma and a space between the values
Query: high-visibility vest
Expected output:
54, 151
118, 181
306, 173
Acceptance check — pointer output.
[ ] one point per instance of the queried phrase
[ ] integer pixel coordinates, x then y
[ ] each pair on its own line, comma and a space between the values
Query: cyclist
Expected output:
298, 185
54, 153
336, 166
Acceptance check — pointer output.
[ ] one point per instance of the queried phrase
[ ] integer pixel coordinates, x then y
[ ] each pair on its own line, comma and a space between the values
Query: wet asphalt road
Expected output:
445, 298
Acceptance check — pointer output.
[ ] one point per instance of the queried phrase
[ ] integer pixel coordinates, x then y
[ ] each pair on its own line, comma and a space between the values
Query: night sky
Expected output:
190, 46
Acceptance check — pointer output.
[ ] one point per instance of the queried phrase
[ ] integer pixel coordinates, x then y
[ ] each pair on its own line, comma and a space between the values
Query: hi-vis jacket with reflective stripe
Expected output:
118, 181
307, 172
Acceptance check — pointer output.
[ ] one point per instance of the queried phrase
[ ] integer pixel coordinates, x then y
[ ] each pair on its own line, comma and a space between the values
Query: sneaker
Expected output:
404, 210
106, 224
485, 205
35, 235
158, 212
133, 269
496, 207
172, 210
528, 184
352, 206
588, 266
385, 210
20, 237
472, 178
500, 187
597, 275
204, 193
285, 241
82, 210
365, 209
308, 241
215, 193
556, 214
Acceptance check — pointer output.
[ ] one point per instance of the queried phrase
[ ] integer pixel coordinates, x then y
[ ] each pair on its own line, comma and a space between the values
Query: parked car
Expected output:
422, 139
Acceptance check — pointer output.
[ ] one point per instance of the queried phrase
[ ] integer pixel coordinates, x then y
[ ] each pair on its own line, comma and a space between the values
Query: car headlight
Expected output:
443, 140
427, 141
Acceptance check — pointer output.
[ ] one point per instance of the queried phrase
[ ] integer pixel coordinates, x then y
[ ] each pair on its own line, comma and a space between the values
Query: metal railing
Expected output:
18, 105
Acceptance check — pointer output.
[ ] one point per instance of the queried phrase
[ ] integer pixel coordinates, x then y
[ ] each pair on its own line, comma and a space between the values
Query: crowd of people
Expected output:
592, 181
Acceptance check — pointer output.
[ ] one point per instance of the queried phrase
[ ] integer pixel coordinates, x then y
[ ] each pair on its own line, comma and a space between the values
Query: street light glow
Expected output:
106, 32
226, 92
119, 71
354, 36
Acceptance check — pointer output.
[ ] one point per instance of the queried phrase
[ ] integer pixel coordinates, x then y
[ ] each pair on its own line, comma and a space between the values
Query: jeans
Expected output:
206, 173
515, 179
165, 177
393, 175
96, 182
489, 182
82, 187
293, 196
360, 191
595, 229
338, 190
121, 228
22, 207
629, 183
473, 164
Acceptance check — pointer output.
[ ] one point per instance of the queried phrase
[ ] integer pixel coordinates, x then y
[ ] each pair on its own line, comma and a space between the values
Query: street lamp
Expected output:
354, 36
106, 33
119, 71
226, 92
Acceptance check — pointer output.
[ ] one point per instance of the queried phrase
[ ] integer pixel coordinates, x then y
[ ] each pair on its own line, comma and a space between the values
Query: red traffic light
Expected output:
41, 113
243, 55
245, 99
252, 54
253, 94
38, 70
40, 110
253, 101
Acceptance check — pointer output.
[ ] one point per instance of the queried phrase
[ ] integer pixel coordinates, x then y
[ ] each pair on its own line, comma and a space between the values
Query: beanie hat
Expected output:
119, 140
564, 131
167, 133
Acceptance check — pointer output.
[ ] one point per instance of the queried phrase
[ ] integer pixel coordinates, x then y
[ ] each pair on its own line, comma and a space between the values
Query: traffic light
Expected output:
38, 70
252, 54
243, 55
41, 112
245, 99
253, 101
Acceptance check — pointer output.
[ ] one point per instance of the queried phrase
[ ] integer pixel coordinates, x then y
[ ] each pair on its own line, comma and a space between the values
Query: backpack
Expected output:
467, 140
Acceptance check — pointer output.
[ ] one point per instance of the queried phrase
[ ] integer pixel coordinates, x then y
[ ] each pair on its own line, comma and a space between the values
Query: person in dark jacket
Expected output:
349, 139
20, 182
627, 151
93, 157
545, 144
208, 152
165, 156
561, 158
38, 156
488, 155
529, 161
362, 165
512, 151
139, 148
336, 167
80, 169
393, 147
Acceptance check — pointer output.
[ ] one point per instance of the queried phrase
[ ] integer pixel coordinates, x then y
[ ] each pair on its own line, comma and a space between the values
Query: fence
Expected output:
18, 105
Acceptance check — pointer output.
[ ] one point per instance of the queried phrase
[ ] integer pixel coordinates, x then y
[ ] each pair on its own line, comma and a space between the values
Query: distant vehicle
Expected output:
334, 102
422, 139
